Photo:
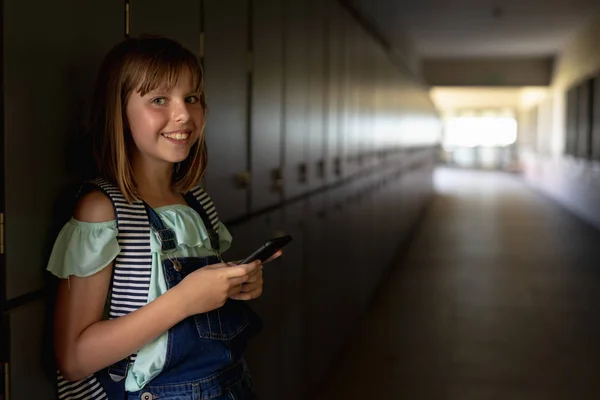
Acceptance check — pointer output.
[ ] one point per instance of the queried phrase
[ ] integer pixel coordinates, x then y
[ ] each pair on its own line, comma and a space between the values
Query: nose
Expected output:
180, 112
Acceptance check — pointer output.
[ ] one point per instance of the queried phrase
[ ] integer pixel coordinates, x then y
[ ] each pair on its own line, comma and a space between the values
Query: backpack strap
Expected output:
201, 202
133, 265
132, 269
130, 282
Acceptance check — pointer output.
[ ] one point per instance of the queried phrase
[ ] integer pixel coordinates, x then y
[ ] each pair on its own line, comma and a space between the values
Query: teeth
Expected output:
176, 136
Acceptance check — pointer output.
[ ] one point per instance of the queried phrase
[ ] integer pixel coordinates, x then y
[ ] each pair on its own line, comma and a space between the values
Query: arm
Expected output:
84, 343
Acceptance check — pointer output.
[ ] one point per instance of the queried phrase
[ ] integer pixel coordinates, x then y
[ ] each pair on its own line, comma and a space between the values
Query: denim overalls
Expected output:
204, 357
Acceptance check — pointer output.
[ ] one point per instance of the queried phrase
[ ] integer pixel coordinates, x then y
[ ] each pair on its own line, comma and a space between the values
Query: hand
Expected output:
253, 288
209, 287
278, 254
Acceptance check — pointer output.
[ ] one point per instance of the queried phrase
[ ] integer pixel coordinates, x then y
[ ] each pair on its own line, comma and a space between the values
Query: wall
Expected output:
312, 131
573, 181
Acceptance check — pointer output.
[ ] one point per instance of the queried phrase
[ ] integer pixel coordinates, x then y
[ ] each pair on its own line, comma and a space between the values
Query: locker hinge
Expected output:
1, 233
127, 16
201, 44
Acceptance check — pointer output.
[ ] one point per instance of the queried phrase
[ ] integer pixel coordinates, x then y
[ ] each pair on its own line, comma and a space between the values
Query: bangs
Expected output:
160, 63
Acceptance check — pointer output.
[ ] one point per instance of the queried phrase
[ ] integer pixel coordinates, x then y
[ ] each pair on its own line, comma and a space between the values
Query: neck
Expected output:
153, 179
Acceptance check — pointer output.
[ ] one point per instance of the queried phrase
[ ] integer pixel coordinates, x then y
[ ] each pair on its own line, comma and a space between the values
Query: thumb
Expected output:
215, 266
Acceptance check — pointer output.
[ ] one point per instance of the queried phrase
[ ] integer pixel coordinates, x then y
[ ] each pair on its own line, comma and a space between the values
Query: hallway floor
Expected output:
497, 298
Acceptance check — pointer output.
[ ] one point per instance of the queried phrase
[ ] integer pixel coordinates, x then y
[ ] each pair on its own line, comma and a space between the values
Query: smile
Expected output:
177, 135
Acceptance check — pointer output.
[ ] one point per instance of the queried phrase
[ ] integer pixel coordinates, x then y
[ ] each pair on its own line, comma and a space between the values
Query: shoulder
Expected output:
94, 206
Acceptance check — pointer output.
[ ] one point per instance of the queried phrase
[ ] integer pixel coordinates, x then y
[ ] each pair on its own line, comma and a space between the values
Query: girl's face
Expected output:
165, 124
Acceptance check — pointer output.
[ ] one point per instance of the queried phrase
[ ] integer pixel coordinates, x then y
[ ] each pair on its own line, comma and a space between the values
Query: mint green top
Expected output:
84, 248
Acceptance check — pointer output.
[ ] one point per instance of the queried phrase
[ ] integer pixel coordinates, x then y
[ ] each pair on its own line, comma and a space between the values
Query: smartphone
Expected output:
268, 249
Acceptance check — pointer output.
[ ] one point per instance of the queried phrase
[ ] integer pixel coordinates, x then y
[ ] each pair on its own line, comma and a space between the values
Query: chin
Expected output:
176, 160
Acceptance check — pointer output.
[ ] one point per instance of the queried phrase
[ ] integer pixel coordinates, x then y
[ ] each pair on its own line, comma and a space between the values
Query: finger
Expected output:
237, 281
240, 270
248, 296
215, 266
235, 290
249, 287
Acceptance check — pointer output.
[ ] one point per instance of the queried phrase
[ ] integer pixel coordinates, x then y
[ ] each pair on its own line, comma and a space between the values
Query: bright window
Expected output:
485, 129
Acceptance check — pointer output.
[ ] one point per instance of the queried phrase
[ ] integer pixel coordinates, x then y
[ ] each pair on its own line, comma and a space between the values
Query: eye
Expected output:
192, 99
159, 101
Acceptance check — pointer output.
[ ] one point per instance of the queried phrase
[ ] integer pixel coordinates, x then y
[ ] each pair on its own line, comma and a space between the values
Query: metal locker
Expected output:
353, 117
41, 62
338, 276
295, 295
584, 127
367, 127
343, 26
296, 98
267, 103
315, 135
180, 20
226, 68
334, 99
320, 294
30, 373
264, 353
596, 118
571, 121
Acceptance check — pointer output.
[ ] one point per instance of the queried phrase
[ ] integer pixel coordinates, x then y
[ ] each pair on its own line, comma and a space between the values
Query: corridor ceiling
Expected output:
479, 28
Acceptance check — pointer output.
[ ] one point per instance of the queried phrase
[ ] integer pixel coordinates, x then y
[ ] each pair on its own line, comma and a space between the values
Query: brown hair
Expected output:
143, 64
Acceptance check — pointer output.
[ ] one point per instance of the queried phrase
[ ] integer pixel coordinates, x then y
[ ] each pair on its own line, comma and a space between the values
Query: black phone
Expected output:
268, 249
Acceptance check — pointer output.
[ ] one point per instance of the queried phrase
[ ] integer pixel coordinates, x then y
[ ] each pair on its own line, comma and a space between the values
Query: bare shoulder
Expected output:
94, 207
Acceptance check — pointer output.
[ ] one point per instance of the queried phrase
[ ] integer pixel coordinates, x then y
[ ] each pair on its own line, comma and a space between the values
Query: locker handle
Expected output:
302, 173
321, 169
338, 167
242, 179
277, 182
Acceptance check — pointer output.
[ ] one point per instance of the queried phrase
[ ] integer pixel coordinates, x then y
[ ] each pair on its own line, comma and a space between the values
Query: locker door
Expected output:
41, 61
571, 121
583, 119
267, 103
351, 139
379, 105
180, 20
296, 97
318, 288
366, 132
264, 353
49, 62
333, 71
226, 68
28, 341
345, 138
294, 299
316, 96
596, 118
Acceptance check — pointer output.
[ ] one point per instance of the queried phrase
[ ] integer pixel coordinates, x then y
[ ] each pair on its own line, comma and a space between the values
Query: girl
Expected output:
146, 308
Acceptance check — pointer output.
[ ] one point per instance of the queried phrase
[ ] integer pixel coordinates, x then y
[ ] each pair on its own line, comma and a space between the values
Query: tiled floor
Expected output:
498, 298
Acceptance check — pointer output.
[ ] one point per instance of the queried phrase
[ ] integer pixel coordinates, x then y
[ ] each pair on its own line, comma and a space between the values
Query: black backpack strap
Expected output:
199, 200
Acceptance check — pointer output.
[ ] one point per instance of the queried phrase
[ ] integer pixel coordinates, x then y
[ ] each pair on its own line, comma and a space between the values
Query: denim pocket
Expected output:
224, 323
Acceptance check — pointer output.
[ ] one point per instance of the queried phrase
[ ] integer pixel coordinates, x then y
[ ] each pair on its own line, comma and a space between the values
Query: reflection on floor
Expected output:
498, 298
